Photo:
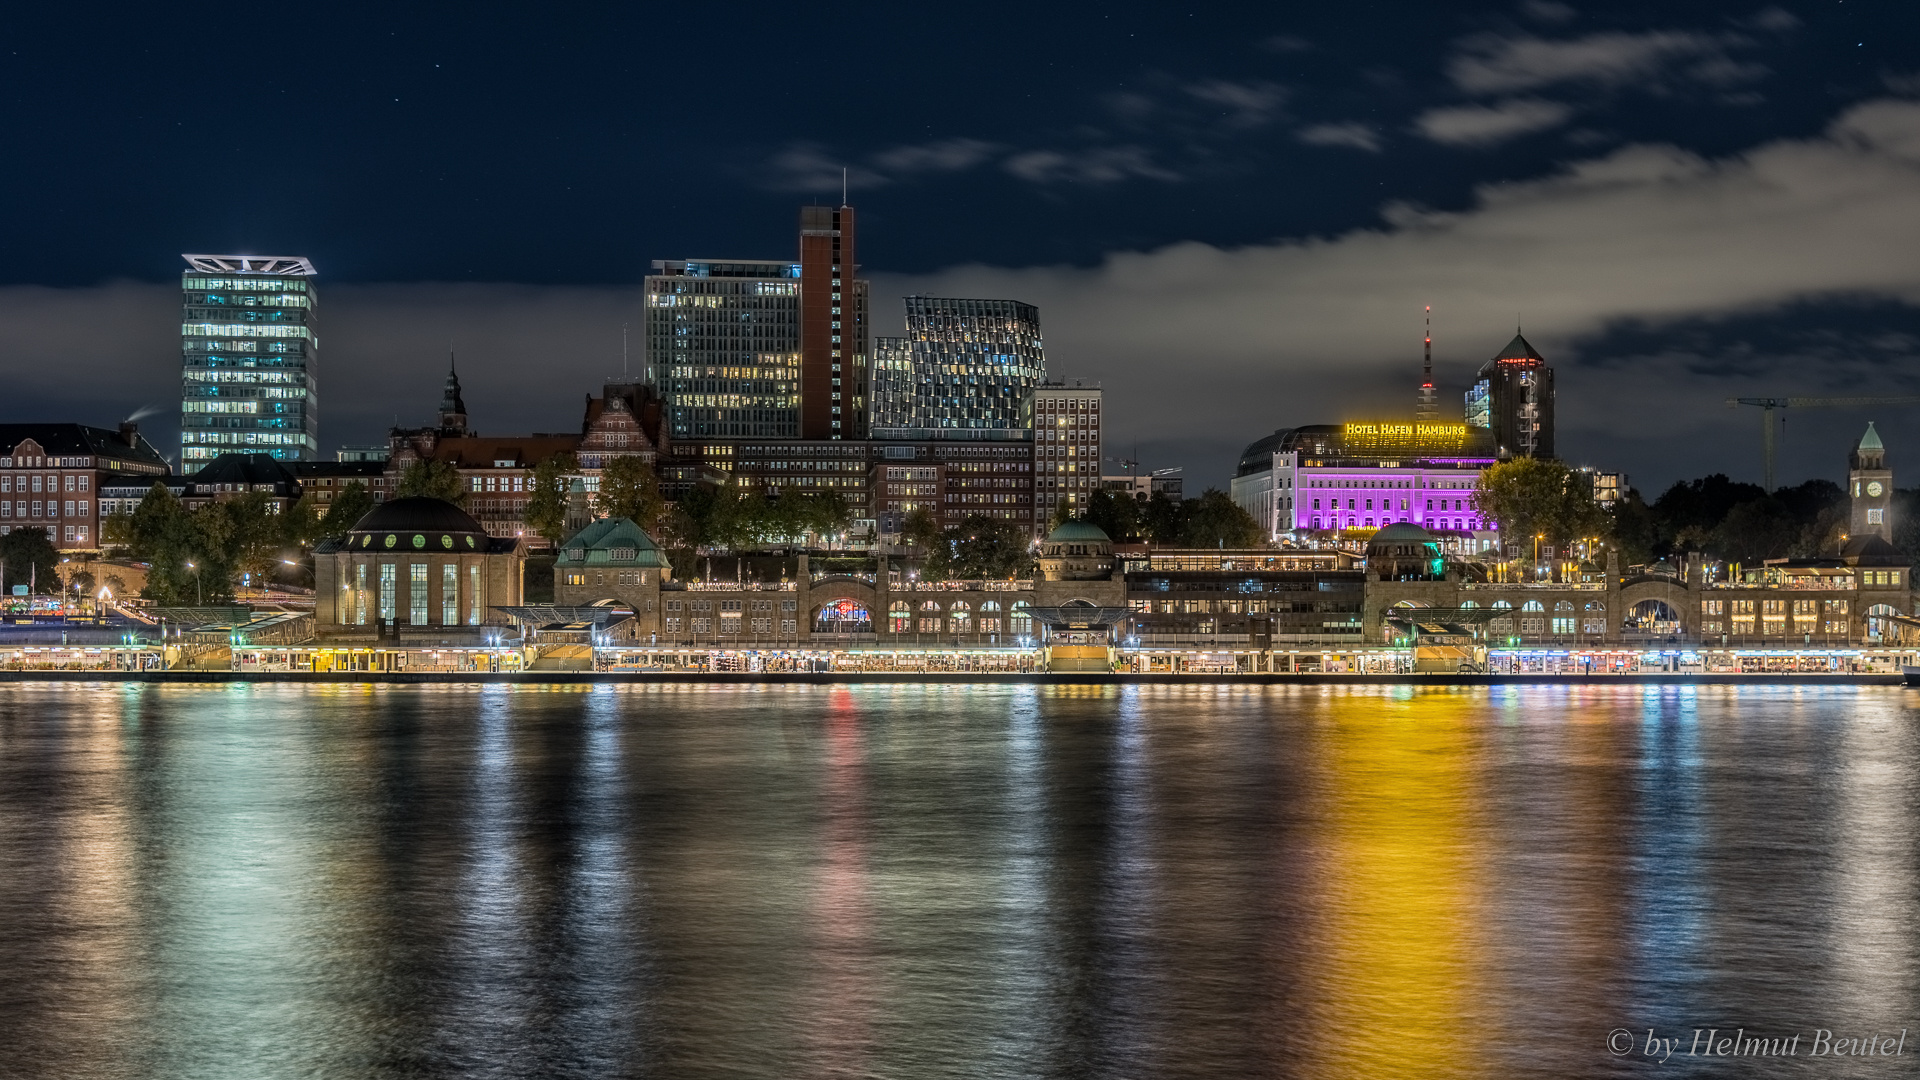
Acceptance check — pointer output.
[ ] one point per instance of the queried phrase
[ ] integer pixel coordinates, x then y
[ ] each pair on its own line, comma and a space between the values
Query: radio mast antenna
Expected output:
1428, 410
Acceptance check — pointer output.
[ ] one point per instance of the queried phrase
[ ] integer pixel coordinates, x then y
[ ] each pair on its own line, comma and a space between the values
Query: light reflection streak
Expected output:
1872, 926
491, 953
839, 1011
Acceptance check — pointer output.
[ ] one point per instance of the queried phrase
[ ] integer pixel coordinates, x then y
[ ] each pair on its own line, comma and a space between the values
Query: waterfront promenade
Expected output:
563, 678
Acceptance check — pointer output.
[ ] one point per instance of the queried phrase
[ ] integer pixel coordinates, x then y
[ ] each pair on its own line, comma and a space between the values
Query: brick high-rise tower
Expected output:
833, 327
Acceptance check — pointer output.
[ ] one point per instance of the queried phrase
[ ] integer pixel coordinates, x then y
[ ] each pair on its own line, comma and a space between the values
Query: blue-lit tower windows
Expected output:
249, 359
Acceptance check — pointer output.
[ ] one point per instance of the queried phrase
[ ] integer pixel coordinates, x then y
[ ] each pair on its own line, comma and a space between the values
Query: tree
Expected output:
989, 547
547, 506
1214, 520
116, 585
1537, 497
301, 522
1756, 531
253, 535
1634, 530
629, 489
81, 582
29, 558
1160, 520
352, 503
923, 536
1116, 513
435, 480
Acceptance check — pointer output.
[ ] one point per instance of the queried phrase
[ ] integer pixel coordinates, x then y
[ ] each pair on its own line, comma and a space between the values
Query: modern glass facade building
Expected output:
723, 347
966, 369
248, 359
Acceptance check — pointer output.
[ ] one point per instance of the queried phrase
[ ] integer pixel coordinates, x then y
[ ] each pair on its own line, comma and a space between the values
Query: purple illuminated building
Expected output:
1342, 481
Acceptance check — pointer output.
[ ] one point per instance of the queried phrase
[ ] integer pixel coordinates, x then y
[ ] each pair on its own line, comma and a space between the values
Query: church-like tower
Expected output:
453, 409
1870, 484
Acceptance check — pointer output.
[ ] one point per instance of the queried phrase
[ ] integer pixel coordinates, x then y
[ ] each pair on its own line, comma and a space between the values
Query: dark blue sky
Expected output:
535, 145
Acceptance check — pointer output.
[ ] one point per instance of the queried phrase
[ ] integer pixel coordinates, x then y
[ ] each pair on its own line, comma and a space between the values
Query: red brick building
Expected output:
51, 477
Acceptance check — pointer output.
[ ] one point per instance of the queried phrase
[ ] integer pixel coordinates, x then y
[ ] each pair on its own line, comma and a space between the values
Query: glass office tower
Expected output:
966, 369
248, 359
723, 347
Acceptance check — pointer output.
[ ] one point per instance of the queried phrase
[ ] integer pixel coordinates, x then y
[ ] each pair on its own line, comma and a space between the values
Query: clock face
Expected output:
1873, 487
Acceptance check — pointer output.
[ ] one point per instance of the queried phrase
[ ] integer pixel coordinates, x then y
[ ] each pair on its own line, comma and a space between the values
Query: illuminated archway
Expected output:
843, 616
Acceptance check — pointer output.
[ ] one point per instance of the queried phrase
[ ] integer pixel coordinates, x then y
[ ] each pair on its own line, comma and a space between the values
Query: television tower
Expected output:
1428, 410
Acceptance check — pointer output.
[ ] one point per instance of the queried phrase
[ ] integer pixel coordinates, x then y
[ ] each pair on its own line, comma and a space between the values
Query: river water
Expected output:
956, 881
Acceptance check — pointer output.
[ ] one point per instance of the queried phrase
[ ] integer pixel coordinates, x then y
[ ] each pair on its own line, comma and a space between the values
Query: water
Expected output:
907, 881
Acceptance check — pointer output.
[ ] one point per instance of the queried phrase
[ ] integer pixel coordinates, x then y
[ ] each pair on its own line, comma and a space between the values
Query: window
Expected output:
473, 595
360, 594
387, 599
899, 617
417, 593
1876, 517
449, 595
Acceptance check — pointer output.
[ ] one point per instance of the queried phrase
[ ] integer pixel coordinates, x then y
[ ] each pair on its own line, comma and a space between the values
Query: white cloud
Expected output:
1101, 165
1248, 104
1356, 136
1203, 345
947, 155
1503, 64
1484, 125
806, 167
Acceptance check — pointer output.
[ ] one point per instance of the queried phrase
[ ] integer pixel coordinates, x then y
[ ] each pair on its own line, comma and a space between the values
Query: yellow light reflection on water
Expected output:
1393, 969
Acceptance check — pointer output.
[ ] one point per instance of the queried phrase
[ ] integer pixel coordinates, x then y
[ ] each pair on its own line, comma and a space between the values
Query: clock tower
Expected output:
1870, 485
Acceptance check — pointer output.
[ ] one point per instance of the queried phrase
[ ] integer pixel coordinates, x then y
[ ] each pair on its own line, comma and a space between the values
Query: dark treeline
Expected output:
1736, 522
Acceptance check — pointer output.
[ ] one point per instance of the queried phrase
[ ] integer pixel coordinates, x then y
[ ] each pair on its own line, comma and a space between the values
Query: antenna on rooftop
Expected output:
623, 351
843, 185
1427, 410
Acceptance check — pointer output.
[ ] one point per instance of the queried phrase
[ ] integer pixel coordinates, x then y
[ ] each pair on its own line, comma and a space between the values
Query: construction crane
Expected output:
1768, 404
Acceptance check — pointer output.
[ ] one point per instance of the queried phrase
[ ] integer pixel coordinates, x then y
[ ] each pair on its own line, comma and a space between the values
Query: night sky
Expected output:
1232, 215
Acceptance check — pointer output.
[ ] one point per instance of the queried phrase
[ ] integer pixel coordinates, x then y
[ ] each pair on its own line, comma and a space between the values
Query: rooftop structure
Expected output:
249, 358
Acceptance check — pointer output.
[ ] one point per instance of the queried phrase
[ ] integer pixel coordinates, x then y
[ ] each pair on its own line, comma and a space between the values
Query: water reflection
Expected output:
934, 882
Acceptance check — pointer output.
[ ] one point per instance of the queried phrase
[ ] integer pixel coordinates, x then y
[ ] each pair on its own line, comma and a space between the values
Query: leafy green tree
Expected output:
433, 479
990, 547
189, 554
254, 535
1214, 520
29, 558
349, 505
300, 524
928, 542
1633, 530
1160, 519
629, 489
1116, 513
1756, 531
117, 530
81, 583
1536, 497
547, 506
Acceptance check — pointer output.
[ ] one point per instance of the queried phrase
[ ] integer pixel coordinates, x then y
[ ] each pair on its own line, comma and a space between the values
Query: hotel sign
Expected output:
1424, 431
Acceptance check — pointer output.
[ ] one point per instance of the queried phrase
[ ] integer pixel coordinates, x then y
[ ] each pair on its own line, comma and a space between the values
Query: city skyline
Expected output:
1710, 203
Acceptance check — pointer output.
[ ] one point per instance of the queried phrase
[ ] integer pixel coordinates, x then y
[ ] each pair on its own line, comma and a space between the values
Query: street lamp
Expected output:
198, 599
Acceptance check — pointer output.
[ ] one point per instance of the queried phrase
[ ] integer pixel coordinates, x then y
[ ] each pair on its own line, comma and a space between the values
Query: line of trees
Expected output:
735, 516
1213, 520
980, 547
1722, 518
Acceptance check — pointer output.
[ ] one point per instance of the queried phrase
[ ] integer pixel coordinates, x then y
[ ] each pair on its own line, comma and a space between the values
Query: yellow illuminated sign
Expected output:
1408, 430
